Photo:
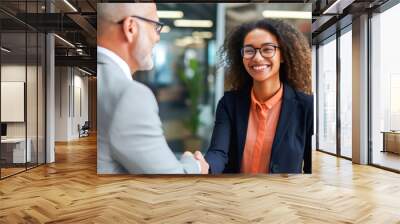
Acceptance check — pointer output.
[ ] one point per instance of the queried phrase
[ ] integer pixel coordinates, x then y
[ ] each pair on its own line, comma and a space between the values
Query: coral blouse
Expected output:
263, 120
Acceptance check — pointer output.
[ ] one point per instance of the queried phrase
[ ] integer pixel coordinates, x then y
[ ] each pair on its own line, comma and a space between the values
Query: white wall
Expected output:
71, 94
62, 81
14, 72
79, 117
17, 73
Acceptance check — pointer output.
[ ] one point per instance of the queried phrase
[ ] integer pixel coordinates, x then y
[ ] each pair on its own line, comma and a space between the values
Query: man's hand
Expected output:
187, 153
203, 163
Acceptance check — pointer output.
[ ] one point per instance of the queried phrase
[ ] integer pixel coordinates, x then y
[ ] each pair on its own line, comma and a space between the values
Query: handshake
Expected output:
199, 157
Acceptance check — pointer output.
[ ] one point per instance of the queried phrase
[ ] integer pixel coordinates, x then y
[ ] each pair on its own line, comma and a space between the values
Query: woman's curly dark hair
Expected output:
296, 68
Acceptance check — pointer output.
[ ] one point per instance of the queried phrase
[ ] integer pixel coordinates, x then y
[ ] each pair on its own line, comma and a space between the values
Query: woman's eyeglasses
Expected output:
157, 25
267, 51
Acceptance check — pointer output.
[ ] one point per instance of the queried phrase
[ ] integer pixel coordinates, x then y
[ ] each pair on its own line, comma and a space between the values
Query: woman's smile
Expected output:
261, 67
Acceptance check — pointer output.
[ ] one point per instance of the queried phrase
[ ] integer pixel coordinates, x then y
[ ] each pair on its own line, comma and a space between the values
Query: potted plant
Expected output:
192, 78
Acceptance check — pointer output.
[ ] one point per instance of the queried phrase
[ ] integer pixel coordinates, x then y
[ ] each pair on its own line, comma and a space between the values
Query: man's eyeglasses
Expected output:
157, 25
267, 51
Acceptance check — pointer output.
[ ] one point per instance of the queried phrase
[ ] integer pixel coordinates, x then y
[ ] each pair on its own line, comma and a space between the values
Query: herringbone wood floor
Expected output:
70, 191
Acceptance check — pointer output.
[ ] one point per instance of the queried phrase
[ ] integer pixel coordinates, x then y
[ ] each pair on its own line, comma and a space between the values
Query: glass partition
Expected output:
31, 100
327, 96
22, 89
14, 145
41, 91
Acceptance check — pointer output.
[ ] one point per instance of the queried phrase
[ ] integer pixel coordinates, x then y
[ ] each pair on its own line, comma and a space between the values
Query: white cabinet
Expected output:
18, 149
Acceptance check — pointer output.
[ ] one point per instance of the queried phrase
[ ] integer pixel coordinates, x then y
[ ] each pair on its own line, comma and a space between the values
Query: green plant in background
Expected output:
192, 78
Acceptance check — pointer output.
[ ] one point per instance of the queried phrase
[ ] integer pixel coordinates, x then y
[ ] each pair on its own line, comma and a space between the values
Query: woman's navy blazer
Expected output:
291, 148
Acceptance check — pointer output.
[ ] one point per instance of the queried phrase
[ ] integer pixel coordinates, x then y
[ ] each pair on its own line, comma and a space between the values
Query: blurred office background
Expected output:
188, 79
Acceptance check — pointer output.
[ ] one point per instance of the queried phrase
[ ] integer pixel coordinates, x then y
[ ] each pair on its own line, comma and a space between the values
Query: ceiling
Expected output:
77, 26
329, 16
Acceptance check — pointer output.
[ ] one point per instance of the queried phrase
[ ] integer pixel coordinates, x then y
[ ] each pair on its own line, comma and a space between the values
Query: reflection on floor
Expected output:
386, 159
70, 191
10, 169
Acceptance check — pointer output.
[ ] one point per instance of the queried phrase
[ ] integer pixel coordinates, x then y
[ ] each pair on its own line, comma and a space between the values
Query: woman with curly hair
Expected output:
264, 123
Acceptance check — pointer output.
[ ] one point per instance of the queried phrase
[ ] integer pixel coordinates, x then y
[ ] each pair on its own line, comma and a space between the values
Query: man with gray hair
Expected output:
130, 136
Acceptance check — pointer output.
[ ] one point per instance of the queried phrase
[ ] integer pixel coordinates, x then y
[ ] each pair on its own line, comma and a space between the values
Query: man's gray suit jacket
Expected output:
130, 137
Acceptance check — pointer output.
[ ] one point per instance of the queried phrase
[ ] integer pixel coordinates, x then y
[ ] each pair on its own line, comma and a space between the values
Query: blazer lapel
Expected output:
242, 119
288, 108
